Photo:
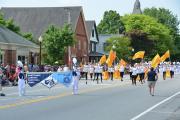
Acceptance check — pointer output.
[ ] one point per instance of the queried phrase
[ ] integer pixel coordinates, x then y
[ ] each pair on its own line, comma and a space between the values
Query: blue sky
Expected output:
94, 9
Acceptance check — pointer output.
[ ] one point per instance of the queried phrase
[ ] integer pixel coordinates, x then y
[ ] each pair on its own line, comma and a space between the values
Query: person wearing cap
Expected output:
21, 82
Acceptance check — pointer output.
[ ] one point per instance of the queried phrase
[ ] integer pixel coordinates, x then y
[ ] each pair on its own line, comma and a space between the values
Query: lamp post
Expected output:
40, 44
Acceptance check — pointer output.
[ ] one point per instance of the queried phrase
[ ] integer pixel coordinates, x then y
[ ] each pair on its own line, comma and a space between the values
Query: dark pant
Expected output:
121, 74
172, 74
134, 79
111, 75
130, 75
164, 75
97, 77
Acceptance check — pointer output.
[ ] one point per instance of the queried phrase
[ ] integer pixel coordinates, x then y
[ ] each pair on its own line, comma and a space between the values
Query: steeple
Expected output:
137, 8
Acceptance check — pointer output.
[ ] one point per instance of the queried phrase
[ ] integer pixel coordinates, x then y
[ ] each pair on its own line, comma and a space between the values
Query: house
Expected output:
94, 56
37, 19
102, 42
14, 48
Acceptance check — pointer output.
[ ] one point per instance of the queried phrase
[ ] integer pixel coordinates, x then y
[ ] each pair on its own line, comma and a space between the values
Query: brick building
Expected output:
37, 19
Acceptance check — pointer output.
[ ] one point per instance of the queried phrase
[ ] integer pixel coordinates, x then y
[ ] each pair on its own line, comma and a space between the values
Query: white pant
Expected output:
75, 84
21, 87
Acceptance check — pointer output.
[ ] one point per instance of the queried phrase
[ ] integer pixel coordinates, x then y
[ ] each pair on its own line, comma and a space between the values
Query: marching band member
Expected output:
164, 68
76, 76
21, 83
172, 69
121, 69
85, 71
111, 71
91, 71
134, 74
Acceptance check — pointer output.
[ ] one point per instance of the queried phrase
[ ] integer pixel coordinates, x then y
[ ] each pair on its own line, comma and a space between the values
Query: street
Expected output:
110, 100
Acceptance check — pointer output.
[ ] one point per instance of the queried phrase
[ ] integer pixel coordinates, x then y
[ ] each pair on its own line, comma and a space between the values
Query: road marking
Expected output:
56, 96
153, 107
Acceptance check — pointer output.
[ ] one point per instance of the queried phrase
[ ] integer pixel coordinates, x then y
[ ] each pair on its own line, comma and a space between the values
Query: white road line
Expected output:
156, 105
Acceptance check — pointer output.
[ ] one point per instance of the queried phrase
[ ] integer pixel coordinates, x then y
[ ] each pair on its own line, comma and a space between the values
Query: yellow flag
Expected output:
102, 60
155, 61
105, 75
165, 56
116, 74
111, 58
168, 73
139, 54
122, 62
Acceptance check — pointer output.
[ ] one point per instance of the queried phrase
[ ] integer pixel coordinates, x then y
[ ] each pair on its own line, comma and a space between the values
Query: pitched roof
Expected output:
89, 26
37, 19
9, 37
137, 7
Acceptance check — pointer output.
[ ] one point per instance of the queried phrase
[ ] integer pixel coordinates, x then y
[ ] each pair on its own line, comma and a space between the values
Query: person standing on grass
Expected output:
152, 78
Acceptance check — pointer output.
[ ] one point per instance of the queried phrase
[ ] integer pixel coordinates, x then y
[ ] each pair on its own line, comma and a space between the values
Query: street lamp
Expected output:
40, 42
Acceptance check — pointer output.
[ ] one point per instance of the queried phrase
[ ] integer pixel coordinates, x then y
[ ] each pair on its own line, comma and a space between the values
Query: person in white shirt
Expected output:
121, 69
91, 71
85, 71
134, 74
111, 71
172, 69
164, 68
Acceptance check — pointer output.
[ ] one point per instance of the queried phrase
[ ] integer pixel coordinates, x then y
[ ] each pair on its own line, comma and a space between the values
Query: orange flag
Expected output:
122, 62
165, 56
111, 58
155, 61
139, 54
102, 60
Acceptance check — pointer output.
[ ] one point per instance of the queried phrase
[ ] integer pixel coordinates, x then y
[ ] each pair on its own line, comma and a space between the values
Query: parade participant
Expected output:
75, 77
21, 83
152, 78
1, 74
134, 74
95, 71
121, 69
85, 71
142, 69
91, 71
111, 71
130, 71
99, 72
172, 69
164, 68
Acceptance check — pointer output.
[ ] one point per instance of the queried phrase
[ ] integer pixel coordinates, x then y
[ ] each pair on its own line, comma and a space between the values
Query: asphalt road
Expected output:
107, 101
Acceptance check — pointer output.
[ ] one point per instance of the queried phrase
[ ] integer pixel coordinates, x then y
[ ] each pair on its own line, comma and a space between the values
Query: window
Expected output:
93, 33
92, 47
22, 59
105, 45
1, 58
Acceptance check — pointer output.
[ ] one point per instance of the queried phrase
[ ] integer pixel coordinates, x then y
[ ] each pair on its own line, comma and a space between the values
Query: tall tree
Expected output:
121, 45
111, 23
55, 43
164, 16
160, 36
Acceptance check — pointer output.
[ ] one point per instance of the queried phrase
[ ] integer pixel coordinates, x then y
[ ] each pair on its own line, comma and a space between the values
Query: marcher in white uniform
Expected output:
134, 75
172, 69
76, 76
121, 69
21, 83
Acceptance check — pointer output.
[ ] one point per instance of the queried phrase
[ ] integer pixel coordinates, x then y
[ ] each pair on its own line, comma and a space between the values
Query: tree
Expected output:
111, 23
160, 36
55, 43
121, 45
166, 17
